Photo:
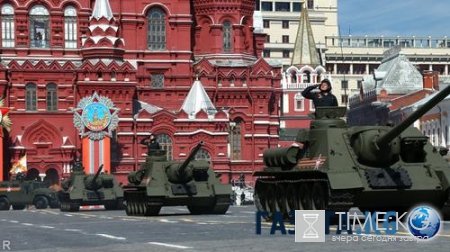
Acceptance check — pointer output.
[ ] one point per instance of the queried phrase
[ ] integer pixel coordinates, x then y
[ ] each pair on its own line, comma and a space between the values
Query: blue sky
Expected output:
394, 17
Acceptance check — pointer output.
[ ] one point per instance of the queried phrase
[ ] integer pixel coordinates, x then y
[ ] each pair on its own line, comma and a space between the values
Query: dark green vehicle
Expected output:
374, 168
83, 189
170, 183
20, 193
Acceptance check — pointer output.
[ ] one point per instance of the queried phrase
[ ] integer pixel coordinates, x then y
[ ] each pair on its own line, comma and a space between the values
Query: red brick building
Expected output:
183, 70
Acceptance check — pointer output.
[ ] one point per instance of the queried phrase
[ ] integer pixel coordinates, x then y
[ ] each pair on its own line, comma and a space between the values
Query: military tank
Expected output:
83, 189
374, 168
160, 182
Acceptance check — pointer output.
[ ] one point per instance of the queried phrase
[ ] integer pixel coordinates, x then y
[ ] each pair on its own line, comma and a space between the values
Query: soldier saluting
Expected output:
152, 144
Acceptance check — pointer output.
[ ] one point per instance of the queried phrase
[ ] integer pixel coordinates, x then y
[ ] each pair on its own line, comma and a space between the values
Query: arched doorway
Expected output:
33, 174
51, 177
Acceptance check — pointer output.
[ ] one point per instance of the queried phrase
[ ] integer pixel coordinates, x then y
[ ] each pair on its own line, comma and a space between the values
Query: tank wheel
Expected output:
55, 204
319, 196
64, 206
281, 198
259, 197
272, 205
41, 202
292, 200
222, 204
18, 207
304, 197
153, 207
4, 204
74, 207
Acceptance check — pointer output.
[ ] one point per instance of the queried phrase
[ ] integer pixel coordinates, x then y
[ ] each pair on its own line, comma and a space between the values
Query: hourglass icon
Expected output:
310, 232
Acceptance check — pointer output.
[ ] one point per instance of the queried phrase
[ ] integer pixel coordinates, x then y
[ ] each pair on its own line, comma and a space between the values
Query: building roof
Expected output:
396, 75
196, 100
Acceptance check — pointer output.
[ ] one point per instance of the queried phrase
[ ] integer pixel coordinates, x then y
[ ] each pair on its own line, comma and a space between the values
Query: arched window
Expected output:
235, 139
226, 36
156, 30
299, 101
31, 101
7, 26
52, 97
165, 143
202, 155
70, 27
39, 27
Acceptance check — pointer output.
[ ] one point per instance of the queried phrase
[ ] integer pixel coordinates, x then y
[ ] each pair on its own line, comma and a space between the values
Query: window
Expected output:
266, 23
311, 105
285, 53
296, 7
156, 30
7, 26
344, 99
344, 84
310, 4
282, 6
39, 27
299, 102
165, 143
70, 27
285, 24
52, 97
202, 155
257, 4
235, 135
285, 39
267, 38
226, 36
266, 53
157, 80
30, 100
359, 84
266, 6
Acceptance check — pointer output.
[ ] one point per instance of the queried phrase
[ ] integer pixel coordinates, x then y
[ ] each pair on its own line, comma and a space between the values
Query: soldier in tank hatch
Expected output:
323, 98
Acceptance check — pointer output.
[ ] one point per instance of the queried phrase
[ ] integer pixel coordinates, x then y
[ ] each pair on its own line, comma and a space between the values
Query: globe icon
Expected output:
424, 222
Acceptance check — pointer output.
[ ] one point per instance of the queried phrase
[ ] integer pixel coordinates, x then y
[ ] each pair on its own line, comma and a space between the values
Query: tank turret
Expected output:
93, 182
179, 173
336, 167
382, 145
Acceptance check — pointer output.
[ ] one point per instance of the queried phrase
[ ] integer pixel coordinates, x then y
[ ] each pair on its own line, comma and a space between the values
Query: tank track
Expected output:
138, 204
333, 200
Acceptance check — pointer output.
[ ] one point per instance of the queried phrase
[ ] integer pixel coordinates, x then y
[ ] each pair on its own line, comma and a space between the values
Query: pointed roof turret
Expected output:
305, 52
103, 33
102, 9
196, 100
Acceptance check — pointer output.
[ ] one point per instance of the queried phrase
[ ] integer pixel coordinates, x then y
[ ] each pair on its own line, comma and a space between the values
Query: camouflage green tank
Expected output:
20, 193
382, 168
191, 183
83, 189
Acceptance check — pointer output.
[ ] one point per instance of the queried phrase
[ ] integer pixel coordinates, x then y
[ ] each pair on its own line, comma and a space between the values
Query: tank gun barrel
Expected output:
97, 174
394, 132
191, 157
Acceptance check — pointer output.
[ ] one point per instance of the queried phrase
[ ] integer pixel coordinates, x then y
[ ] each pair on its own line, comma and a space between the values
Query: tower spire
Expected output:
305, 52
102, 9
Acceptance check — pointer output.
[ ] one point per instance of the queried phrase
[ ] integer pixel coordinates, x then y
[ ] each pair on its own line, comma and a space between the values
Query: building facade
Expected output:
346, 57
185, 71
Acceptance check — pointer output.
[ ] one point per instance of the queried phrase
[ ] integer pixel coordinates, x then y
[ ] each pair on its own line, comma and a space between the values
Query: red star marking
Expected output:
4, 111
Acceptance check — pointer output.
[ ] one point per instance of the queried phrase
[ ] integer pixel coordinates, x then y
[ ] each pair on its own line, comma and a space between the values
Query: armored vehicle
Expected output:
83, 189
20, 193
375, 168
172, 183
